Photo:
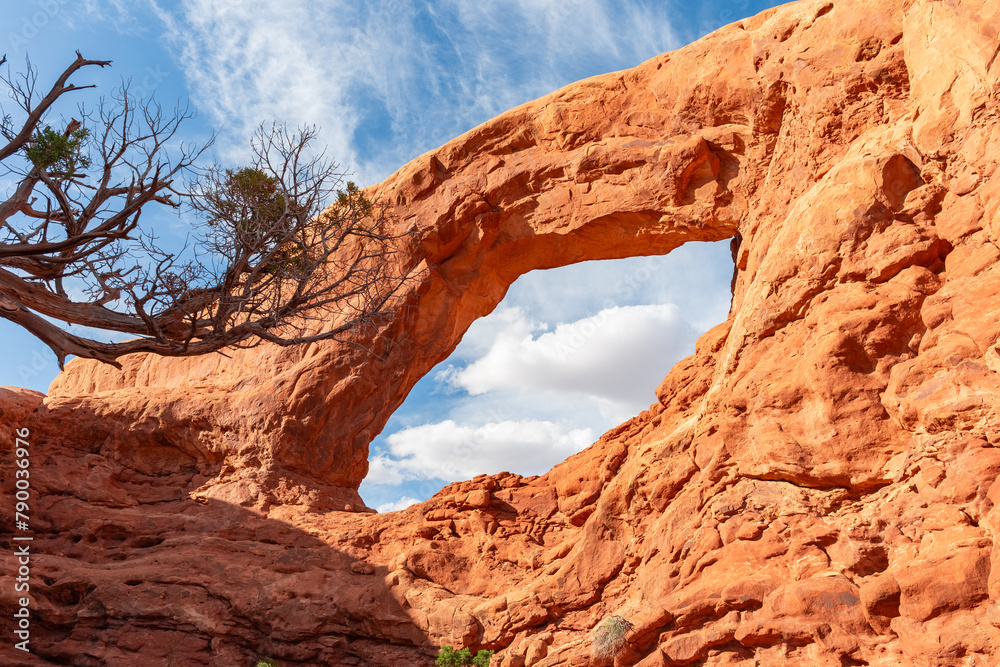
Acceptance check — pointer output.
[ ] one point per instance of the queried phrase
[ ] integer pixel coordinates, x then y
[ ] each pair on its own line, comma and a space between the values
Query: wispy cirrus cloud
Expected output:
387, 81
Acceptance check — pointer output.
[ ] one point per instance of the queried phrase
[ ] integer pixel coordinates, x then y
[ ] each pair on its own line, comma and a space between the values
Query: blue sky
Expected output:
570, 352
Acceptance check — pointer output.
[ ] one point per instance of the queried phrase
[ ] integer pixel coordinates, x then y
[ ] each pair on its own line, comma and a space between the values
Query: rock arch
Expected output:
626, 164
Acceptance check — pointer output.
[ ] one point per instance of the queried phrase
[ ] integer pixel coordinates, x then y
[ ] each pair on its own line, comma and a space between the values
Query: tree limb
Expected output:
272, 263
59, 88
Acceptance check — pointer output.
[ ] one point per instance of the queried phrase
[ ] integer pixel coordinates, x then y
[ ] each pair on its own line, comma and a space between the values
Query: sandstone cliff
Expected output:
816, 485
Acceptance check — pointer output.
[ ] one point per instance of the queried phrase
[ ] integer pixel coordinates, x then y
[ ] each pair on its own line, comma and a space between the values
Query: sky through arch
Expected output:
568, 354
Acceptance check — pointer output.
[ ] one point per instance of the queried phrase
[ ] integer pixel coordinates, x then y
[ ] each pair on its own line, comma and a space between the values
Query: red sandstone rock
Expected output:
817, 485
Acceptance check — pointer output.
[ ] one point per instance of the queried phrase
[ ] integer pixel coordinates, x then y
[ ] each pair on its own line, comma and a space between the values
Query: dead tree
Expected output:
270, 258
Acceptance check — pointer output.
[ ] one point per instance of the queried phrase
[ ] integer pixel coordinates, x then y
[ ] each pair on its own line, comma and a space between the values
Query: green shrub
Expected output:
268, 662
482, 659
351, 205
249, 201
449, 657
58, 153
609, 637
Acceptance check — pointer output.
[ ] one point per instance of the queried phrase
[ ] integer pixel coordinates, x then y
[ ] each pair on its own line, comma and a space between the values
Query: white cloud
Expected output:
387, 81
119, 15
619, 355
400, 504
253, 62
556, 32
695, 277
448, 450
551, 369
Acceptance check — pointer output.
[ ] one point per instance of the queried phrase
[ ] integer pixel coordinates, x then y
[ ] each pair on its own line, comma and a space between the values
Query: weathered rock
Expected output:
816, 485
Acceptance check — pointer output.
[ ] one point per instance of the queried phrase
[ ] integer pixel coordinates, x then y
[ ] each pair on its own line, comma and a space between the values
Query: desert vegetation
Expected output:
609, 637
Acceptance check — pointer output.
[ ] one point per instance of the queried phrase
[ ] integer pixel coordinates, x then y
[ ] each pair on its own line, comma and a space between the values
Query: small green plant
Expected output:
59, 153
482, 659
249, 200
609, 637
449, 657
268, 662
351, 204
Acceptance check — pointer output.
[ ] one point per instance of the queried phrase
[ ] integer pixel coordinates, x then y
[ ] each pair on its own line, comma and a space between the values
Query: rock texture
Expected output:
816, 485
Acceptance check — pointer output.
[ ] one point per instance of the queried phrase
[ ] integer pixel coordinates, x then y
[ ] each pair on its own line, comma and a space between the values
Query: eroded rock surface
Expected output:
815, 486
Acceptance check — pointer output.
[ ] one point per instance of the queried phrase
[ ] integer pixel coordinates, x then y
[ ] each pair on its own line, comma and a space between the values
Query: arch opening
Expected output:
568, 354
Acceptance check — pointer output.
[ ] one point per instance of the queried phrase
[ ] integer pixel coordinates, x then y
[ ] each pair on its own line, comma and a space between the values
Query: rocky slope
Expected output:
815, 486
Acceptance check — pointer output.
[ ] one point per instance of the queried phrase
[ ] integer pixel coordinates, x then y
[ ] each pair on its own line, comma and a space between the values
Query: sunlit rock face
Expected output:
815, 485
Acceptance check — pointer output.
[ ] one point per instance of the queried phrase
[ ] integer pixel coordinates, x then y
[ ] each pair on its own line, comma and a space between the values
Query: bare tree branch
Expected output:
36, 112
273, 260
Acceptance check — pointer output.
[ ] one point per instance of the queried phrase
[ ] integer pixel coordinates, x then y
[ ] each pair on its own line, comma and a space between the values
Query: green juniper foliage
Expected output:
251, 200
58, 153
350, 202
269, 260
449, 657
482, 659
268, 662
250, 204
